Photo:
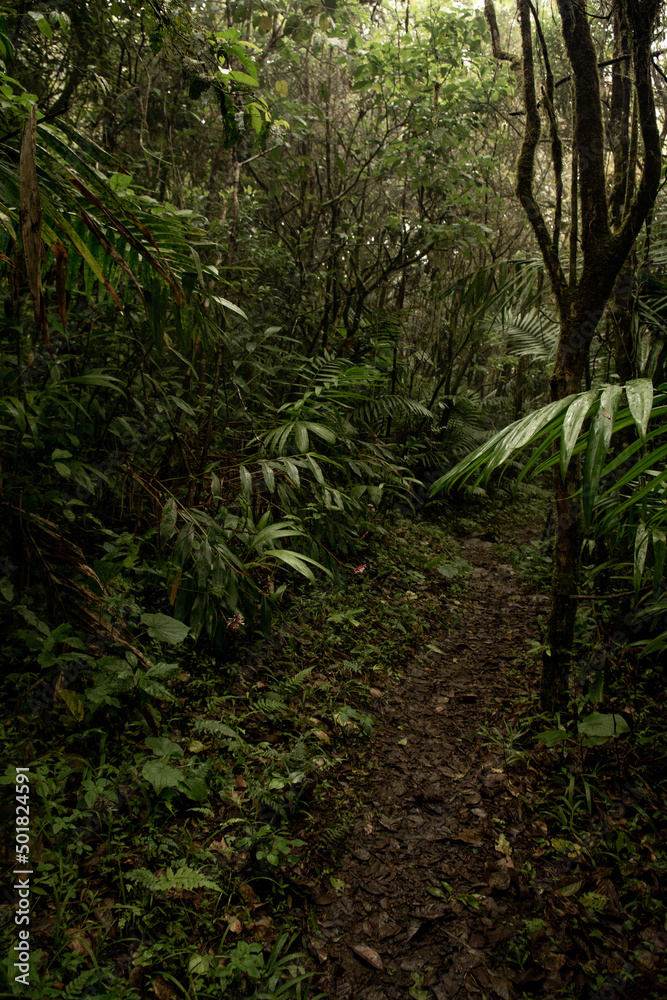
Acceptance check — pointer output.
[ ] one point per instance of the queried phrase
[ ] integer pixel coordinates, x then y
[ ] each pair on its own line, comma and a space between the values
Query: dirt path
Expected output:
429, 887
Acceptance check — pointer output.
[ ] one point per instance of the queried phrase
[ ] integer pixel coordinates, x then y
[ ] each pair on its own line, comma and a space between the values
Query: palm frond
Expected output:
528, 334
562, 421
94, 225
375, 410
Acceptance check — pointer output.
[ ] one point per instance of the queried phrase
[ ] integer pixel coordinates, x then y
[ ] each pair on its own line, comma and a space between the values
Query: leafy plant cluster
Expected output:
261, 283
184, 859
592, 800
622, 494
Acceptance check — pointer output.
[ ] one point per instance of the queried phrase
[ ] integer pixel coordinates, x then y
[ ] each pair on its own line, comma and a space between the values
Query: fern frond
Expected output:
270, 703
292, 684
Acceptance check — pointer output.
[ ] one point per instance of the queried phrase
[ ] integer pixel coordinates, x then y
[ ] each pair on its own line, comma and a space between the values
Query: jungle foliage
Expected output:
265, 280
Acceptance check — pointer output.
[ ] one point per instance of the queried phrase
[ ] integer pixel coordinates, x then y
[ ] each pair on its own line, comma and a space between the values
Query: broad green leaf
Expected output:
203, 565
246, 482
593, 901
641, 548
321, 431
226, 304
297, 562
161, 775
198, 965
256, 117
375, 493
118, 182
165, 629
195, 788
162, 747
301, 436
245, 59
269, 476
184, 544
278, 437
238, 77
317, 471
292, 472
182, 405
168, 520
282, 88
572, 424
640, 400
153, 687
41, 23
293, 560
598, 444
603, 725
15, 406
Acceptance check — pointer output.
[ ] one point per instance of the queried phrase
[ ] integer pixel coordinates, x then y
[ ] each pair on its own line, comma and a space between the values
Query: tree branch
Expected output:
498, 51
588, 130
526, 162
641, 16
556, 144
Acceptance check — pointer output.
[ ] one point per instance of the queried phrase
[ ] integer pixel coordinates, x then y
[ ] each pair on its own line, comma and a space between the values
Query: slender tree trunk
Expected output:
572, 354
622, 322
582, 298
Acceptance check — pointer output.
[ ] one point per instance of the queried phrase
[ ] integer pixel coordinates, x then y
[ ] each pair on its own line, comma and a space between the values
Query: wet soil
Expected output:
432, 871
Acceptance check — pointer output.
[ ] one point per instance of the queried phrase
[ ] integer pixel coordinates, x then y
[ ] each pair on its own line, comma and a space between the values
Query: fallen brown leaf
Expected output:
472, 835
78, 941
368, 955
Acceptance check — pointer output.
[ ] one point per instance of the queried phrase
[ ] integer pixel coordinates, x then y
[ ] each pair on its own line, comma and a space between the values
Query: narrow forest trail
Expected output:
437, 802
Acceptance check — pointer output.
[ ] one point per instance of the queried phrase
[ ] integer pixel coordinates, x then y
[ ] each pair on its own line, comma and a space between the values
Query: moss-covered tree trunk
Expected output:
583, 293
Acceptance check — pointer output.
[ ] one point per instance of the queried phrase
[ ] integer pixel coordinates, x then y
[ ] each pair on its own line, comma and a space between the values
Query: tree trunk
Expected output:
567, 376
582, 298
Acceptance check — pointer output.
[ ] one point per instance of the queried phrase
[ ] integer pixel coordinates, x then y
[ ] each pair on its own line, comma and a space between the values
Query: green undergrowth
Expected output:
589, 794
587, 831
182, 803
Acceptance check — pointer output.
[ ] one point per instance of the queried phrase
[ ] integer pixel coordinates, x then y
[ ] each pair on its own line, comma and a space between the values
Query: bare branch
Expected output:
641, 16
526, 161
498, 51
556, 144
